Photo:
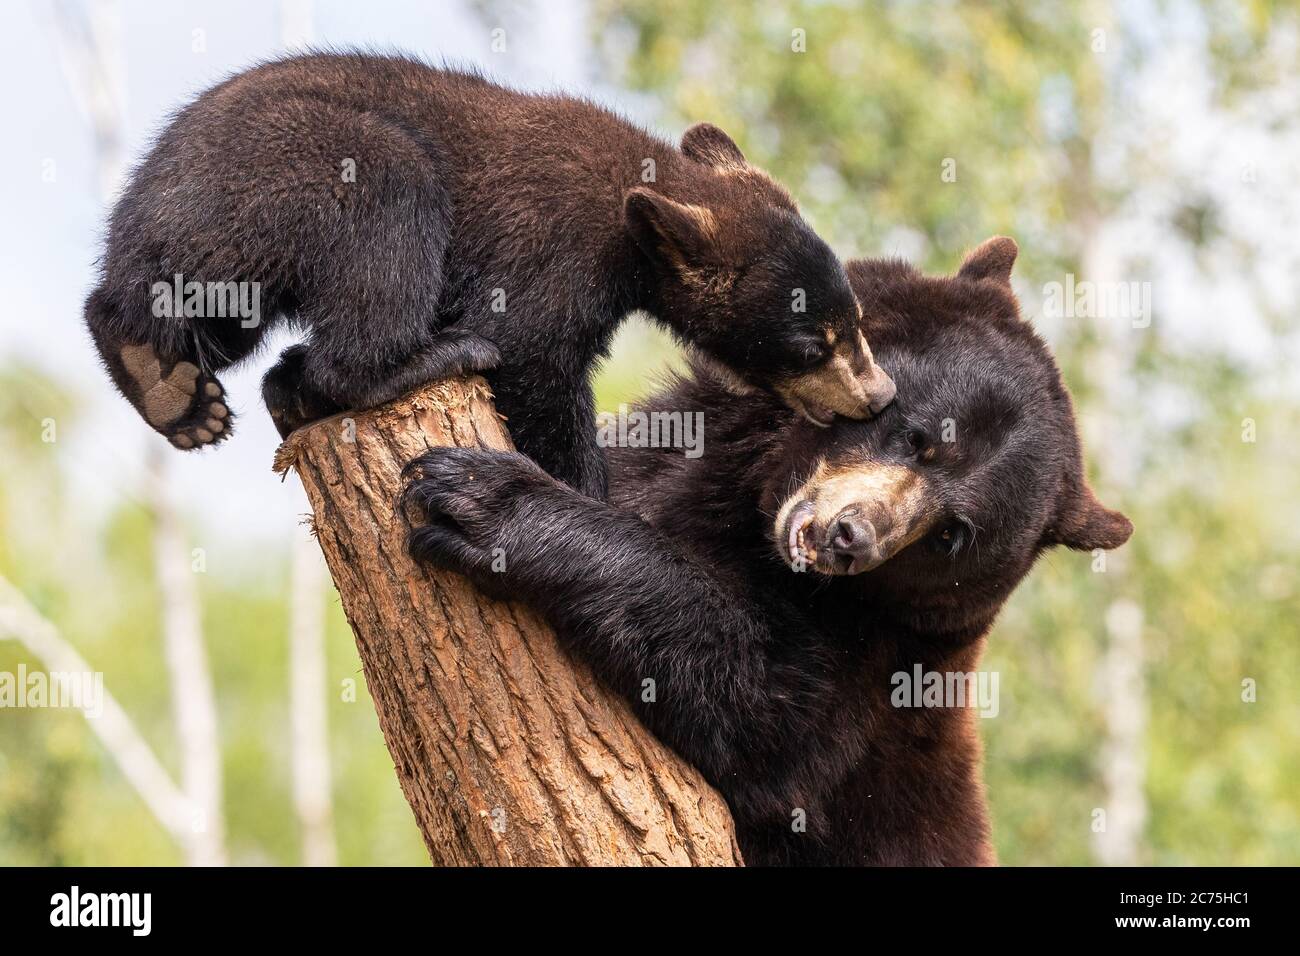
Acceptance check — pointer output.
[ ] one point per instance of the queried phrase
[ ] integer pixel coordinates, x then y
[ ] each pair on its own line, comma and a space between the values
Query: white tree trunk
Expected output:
1121, 677
1123, 754
23, 623
311, 763
308, 719
194, 707
89, 42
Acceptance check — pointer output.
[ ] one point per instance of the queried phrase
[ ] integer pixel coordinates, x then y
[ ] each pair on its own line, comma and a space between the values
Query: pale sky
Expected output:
53, 228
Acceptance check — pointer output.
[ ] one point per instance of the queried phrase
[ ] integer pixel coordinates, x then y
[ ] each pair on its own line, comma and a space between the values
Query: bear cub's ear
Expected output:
669, 231
992, 259
1086, 524
707, 144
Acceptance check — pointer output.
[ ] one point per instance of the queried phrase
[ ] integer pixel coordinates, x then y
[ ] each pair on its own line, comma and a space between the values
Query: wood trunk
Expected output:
509, 752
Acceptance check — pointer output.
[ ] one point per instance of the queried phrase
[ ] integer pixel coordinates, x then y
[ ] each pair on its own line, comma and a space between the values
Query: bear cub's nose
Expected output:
880, 392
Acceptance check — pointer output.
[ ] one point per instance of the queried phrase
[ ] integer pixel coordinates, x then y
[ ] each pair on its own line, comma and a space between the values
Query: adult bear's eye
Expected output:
951, 537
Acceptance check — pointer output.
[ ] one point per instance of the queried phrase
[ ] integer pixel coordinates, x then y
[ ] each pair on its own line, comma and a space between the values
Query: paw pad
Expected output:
184, 405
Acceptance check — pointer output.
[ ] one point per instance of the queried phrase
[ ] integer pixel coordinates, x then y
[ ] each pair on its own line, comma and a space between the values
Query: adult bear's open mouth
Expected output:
846, 546
797, 550
850, 520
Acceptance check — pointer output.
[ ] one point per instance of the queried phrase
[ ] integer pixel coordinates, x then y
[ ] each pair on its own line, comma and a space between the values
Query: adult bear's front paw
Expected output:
464, 503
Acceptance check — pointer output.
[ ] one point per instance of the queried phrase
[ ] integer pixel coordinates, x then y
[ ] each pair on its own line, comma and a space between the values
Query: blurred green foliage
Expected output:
62, 799
859, 126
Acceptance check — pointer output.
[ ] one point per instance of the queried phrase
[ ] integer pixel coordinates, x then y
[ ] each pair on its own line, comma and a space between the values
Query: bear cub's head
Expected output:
744, 281
940, 505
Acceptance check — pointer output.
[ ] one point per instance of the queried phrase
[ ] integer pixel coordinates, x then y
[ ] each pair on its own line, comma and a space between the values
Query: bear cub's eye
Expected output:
814, 353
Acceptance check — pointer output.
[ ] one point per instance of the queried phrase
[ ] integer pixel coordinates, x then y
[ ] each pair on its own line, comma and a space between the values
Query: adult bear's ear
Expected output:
707, 144
674, 232
1085, 524
992, 259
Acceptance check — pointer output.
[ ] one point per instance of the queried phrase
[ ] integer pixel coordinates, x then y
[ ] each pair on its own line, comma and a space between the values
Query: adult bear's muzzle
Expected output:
847, 519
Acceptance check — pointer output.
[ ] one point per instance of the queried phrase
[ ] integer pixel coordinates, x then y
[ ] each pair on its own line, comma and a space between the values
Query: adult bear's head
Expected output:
940, 505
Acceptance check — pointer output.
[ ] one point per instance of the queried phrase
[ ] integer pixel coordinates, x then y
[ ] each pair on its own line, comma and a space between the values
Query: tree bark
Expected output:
509, 753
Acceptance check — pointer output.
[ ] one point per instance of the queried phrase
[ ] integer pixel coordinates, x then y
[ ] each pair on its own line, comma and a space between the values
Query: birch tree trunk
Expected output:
508, 752
308, 718
194, 704
105, 717
307, 714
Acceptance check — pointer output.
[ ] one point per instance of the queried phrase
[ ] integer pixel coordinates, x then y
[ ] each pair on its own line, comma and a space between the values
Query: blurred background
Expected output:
1149, 705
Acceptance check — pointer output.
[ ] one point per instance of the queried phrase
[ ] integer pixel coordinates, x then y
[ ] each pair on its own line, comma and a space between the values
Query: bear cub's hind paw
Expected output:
293, 404
186, 406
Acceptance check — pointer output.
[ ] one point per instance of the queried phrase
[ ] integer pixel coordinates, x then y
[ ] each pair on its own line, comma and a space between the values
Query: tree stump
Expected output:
509, 753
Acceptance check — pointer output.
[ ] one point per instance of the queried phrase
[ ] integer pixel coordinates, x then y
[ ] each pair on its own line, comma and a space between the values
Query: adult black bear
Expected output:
423, 223
913, 529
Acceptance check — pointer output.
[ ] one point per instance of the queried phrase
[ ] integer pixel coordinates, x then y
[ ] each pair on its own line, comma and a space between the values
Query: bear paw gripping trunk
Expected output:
509, 752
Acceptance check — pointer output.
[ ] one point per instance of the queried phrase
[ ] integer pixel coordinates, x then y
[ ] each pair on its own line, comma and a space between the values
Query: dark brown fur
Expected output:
485, 230
778, 684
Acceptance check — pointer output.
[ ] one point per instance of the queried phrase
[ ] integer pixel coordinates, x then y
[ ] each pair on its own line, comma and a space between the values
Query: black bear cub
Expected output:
422, 222
775, 588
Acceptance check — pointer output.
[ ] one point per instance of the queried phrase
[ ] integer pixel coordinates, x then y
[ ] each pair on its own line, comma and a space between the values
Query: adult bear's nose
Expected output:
853, 543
